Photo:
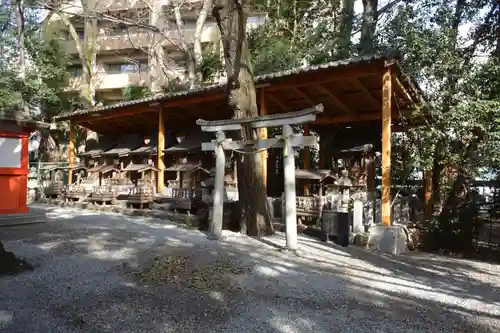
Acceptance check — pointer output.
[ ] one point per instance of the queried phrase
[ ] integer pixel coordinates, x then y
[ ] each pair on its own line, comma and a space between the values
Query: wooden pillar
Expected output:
386, 146
306, 156
161, 146
71, 152
263, 135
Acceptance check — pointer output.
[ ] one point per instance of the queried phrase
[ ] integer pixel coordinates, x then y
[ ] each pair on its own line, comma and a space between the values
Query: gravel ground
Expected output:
88, 263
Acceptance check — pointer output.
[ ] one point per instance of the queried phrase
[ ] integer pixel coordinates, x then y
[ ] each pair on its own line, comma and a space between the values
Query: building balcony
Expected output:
106, 81
129, 40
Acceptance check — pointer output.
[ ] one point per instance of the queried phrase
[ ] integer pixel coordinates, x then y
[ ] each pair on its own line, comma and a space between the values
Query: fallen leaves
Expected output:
214, 273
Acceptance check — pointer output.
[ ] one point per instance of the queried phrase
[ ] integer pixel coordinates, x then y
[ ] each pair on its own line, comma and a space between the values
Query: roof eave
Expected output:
261, 79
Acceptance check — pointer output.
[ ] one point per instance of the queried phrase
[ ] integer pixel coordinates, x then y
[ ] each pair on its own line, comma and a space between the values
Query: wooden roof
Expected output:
350, 90
314, 174
356, 150
14, 121
79, 166
191, 143
140, 168
104, 144
147, 149
126, 144
104, 169
186, 167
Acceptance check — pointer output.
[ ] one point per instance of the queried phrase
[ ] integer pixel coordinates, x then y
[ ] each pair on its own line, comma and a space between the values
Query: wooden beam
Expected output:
142, 108
335, 100
304, 96
160, 156
386, 146
275, 100
334, 75
194, 99
365, 92
149, 120
118, 122
401, 90
306, 156
71, 152
352, 118
119, 113
263, 135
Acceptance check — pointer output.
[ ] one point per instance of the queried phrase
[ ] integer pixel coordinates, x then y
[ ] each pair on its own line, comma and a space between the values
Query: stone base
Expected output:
359, 239
388, 239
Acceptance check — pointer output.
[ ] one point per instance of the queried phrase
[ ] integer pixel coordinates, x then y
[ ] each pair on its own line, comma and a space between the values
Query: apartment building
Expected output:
124, 54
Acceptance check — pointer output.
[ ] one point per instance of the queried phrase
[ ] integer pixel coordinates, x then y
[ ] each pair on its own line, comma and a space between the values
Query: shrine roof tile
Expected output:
259, 80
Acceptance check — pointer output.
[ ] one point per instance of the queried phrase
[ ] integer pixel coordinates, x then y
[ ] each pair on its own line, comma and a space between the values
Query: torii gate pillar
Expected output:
288, 141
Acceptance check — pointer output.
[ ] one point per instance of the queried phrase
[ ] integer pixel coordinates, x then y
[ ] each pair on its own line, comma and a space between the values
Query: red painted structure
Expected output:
14, 173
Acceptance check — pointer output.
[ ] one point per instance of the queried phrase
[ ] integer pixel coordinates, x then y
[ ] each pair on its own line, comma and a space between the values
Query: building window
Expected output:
81, 34
119, 30
76, 70
117, 68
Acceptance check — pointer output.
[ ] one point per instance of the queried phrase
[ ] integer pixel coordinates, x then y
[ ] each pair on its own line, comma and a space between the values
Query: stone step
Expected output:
21, 219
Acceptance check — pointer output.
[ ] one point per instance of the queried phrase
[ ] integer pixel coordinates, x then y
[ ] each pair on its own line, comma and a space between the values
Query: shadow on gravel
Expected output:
81, 284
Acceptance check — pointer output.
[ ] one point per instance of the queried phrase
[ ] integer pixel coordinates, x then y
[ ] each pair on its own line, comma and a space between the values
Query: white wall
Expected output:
10, 152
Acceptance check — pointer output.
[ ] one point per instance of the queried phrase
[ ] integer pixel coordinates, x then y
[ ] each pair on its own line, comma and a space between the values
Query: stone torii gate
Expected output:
287, 141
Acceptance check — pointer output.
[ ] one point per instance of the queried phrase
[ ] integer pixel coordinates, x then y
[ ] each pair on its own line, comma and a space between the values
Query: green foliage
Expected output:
453, 58
175, 85
132, 92
210, 66
272, 53
454, 55
45, 75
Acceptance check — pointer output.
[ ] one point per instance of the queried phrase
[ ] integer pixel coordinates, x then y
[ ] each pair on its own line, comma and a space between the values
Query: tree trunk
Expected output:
18, 7
19, 13
157, 68
345, 29
200, 23
87, 91
87, 52
190, 61
231, 21
370, 17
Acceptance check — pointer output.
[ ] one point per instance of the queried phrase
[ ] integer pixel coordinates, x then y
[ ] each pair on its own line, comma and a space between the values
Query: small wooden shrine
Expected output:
75, 192
310, 205
142, 193
119, 157
52, 180
354, 170
95, 162
186, 176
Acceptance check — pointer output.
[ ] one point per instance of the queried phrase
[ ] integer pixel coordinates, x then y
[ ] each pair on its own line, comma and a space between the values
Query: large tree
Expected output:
232, 20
